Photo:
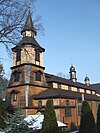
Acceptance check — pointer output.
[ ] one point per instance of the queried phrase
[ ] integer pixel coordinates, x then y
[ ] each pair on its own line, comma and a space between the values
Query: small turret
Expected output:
72, 74
87, 81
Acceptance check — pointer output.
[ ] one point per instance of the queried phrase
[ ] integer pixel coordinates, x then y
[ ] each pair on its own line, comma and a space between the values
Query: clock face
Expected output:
28, 33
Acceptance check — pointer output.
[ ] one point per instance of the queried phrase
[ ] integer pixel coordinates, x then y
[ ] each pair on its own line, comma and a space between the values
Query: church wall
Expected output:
20, 100
28, 55
94, 108
41, 59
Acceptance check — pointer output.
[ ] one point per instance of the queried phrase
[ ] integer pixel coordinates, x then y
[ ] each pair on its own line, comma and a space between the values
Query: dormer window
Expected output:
37, 55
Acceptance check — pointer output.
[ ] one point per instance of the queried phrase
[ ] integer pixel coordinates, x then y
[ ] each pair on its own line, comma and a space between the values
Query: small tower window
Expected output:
39, 103
37, 55
38, 76
18, 55
14, 96
16, 76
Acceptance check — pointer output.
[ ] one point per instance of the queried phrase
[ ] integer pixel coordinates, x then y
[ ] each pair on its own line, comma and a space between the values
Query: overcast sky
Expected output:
72, 36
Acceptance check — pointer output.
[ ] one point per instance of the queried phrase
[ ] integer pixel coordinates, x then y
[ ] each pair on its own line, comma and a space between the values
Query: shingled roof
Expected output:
29, 24
53, 78
96, 87
30, 41
66, 94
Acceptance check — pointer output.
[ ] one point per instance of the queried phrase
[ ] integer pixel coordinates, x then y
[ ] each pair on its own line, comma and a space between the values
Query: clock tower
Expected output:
27, 77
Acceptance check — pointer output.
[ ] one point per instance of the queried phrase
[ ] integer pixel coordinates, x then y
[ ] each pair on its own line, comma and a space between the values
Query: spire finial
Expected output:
29, 5
71, 64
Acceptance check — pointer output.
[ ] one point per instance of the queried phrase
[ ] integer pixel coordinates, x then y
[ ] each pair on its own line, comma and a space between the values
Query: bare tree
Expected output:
60, 74
12, 16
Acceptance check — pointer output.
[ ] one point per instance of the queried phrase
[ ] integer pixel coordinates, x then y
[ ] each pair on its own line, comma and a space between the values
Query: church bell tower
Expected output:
27, 77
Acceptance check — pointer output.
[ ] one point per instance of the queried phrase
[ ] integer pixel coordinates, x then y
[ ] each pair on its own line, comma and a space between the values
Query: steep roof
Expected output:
29, 24
29, 41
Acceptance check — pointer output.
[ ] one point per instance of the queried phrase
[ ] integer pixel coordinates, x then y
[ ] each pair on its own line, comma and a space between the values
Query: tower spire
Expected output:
29, 24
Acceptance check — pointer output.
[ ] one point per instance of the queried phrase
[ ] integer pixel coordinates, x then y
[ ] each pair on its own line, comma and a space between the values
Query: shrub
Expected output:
87, 124
50, 122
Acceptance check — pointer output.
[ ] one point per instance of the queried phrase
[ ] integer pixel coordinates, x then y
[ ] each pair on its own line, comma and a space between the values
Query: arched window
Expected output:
14, 96
40, 103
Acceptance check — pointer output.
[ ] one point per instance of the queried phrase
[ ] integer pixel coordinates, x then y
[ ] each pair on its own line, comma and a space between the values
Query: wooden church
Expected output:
30, 86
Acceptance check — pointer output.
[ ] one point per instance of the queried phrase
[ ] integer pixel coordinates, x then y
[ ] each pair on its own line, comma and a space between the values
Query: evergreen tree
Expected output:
17, 124
87, 124
2, 115
98, 119
50, 122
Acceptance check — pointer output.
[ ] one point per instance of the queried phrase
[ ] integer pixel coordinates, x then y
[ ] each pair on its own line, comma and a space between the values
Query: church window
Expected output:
79, 106
38, 76
59, 86
68, 112
14, 96
16, 76
18, 55
39, 103
69, 88
37, 55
